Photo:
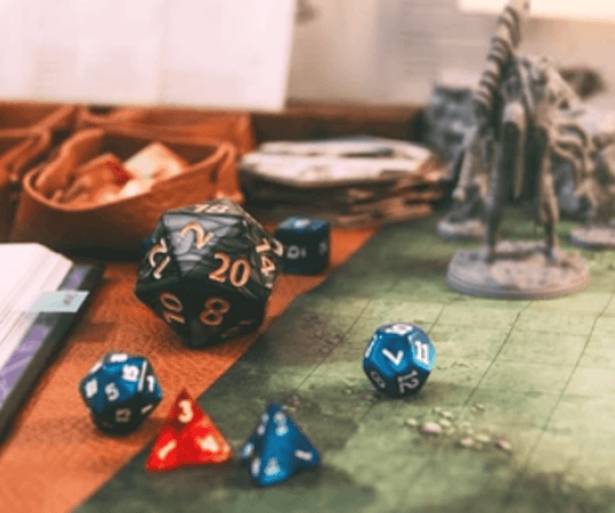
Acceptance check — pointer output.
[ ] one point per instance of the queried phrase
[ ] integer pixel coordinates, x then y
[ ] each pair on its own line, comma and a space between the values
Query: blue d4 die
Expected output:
277, 448
306, 242
120, 391
399, 359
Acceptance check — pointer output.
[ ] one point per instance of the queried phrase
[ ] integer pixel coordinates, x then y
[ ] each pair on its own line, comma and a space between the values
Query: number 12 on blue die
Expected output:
399, 359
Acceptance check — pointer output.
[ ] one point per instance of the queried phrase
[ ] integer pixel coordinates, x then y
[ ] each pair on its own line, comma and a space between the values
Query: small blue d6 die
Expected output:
399, 359
307, 244
120, 391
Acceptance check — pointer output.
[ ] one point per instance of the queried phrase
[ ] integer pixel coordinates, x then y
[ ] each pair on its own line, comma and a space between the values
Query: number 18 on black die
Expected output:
399, 359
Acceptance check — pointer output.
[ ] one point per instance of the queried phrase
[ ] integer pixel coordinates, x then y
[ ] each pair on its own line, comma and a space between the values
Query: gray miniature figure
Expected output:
529, 130
466, 219
597, 191
449, 117
529, 139
520, 128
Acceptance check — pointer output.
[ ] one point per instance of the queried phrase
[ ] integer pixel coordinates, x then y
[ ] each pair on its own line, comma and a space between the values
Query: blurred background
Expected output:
392, 51
259, 54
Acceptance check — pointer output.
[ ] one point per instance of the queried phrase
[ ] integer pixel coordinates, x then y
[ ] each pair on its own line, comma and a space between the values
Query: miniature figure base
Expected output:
472, 229
594, 236
519, 270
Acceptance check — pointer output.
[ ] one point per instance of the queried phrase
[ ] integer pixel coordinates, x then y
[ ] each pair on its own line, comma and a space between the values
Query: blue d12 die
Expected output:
120, 391
399, 359
277, 448
307, 243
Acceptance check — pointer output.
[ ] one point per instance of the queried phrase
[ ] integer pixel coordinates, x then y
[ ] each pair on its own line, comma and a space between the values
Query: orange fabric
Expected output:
30, 130
18, 118
54, 457
17, 152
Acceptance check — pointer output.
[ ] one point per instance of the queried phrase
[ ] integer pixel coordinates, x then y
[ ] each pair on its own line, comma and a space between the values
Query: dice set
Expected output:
209, 272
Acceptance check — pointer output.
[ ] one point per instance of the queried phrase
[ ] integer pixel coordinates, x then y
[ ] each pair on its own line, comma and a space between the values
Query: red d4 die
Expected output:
188, 437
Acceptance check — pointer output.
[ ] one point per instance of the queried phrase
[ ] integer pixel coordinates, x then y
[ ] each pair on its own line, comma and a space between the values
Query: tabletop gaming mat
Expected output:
531, 383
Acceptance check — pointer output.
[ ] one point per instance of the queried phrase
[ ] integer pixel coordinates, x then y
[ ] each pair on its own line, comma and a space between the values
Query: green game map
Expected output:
524, 392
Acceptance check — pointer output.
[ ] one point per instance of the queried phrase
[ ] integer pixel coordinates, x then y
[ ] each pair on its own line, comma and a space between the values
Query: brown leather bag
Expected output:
27, 133
124, 223
235, 128
17, 152
18, 118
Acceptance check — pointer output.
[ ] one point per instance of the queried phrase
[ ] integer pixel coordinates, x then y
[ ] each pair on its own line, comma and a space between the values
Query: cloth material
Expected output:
17, 152
27, 133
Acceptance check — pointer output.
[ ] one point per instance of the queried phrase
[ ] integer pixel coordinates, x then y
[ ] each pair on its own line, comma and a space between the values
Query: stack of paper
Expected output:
356, 181
43, 293
26, 272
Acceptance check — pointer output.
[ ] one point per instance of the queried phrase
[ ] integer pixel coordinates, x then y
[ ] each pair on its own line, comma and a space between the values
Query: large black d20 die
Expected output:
209, 271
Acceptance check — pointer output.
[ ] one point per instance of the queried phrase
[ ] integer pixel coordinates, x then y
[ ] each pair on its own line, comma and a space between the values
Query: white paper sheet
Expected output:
26, 270
218, 53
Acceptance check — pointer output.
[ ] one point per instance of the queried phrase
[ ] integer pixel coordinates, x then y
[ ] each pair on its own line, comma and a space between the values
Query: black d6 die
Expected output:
307, 244
209, 272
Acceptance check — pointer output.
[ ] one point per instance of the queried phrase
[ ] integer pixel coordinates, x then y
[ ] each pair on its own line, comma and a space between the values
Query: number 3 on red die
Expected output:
188, 437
